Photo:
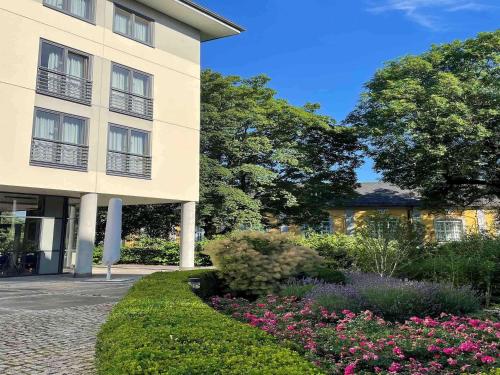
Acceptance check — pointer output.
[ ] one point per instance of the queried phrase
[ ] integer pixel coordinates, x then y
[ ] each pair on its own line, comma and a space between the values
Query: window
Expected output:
128, 152
133, 25
83, 9
131, 92
59, 140
448, 230
64, 73
383, 228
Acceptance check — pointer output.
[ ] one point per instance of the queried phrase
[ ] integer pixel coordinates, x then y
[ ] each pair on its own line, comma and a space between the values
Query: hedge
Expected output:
154, 252
162, 327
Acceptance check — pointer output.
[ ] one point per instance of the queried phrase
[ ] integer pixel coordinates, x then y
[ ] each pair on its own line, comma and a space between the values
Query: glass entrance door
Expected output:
19, 233
31, 234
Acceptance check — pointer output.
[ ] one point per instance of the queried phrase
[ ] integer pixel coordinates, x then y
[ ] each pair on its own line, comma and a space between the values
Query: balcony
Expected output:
129, 165
131, 104
64, 86
47, 153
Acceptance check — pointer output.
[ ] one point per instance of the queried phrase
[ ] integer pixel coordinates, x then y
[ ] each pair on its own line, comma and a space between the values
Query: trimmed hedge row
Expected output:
162, 327
163, 253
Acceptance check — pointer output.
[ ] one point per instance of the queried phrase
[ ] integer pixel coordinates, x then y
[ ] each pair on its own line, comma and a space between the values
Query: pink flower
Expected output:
290, 327
433, 348
451, 361
288, 315
468, 346
487, 359
395, 367
464, 368
353, 350
416, 320
397, 351
261, 305
449, 351
349, 370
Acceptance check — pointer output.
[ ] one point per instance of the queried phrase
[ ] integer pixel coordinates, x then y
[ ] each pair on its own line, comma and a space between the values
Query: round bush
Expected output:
254, 263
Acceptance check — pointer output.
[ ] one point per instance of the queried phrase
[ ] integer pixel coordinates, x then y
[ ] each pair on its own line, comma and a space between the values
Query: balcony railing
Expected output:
131, 104
64, 86
130, 165
59, 154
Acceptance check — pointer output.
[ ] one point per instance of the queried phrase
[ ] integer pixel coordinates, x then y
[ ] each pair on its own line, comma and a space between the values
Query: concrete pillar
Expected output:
188, 228
86, 235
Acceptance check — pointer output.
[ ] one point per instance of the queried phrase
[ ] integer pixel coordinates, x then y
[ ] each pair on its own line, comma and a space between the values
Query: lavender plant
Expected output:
393, 298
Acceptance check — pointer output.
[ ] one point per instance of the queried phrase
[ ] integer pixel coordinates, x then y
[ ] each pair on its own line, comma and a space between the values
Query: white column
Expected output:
71, 237
86, 235
188, 228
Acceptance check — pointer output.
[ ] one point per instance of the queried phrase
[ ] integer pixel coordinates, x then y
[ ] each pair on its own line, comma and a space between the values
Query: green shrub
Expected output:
338, 250
337, 303
162, 327
153, 251
473, 261
295, 290
255, 263
330, 276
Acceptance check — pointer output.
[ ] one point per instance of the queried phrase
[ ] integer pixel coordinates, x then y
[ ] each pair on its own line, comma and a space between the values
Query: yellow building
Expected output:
440, 225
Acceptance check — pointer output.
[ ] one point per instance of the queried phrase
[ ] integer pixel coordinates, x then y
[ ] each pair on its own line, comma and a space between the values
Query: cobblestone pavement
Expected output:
48, 324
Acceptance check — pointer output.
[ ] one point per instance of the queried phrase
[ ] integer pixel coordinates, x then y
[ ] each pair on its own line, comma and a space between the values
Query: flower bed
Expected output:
162, 327
349, 343
391, 298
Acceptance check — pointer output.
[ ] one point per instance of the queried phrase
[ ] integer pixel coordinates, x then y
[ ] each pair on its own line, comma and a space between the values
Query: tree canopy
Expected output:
432, 122
263, 158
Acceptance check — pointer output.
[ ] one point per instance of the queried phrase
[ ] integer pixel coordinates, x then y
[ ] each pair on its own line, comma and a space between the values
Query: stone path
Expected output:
48, 324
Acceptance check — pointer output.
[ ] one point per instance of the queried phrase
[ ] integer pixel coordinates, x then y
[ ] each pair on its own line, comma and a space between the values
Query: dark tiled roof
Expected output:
380, 194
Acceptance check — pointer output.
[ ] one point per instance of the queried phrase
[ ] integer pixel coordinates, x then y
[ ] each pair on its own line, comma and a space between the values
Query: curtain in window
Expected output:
52, 59
119, 81
140, 84
117, 141
137, 164
55, 3
80, 8
46, 124
75, 66
141, 30
72, 132
122, 22
138, 141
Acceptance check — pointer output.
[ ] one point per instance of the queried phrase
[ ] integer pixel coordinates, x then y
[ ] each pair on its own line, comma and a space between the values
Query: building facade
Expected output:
440, 225
100, 99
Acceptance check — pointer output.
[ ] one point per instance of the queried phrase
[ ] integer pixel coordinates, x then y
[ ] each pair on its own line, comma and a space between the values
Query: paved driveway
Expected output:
48, 324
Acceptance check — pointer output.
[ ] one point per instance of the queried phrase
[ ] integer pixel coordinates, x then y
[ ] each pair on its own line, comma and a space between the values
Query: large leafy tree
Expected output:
432, 121
265, 159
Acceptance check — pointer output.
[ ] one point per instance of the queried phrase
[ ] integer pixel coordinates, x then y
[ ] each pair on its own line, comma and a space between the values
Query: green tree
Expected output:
152, 220
263, 157
432, 122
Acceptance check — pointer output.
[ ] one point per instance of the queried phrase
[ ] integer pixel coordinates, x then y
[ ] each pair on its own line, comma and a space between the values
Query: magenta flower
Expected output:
395, 367
349, 370
487, 359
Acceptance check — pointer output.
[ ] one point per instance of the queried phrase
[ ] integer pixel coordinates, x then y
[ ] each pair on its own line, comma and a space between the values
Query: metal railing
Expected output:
131, 104
64, 86
59, 154
130, 165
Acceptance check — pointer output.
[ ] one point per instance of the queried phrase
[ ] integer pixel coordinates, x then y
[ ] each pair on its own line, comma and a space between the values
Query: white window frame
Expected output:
442, 234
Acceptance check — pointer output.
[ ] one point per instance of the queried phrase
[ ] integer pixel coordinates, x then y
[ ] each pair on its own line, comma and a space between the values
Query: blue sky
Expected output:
324, 50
